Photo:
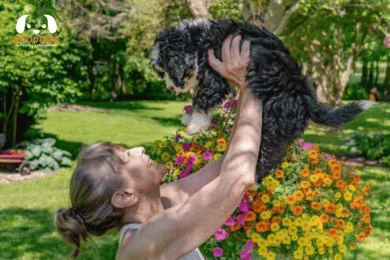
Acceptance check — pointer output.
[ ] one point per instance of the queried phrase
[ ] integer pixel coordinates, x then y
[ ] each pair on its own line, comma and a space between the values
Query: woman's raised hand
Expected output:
234, 65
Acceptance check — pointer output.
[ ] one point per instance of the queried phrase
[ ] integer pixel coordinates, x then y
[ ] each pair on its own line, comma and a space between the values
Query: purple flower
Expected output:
192, 159
328, 156
246, 198
178, 137
179, 160
245, 255
306, 146
220, 234
186, 171
249, 244
207, 155
227, 105
244, 207
187, 108
241, 219
230, 222
186, 146
235, 103
217, 252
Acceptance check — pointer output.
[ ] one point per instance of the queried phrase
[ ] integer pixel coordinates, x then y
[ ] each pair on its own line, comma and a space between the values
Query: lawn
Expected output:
26, 208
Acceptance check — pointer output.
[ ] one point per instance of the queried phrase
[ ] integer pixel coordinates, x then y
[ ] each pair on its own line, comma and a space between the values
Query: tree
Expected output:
33, 77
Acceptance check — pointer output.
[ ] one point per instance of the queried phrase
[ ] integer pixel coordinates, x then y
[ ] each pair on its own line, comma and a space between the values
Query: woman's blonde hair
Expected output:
95, 180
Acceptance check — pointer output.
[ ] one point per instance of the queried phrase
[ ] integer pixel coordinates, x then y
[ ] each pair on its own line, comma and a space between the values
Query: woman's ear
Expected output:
124, 199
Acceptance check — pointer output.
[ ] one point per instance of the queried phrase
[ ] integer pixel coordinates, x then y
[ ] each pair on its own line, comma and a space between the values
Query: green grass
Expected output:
26, 208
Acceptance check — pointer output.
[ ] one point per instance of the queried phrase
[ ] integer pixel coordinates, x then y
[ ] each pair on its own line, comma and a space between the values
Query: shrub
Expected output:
41, 154
310, 206
371, 146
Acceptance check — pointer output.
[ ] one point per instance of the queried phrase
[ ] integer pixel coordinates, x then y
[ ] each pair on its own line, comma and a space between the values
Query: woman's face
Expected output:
142, 170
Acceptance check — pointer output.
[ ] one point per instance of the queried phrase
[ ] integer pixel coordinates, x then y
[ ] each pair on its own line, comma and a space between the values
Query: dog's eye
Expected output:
28, 25
43, 25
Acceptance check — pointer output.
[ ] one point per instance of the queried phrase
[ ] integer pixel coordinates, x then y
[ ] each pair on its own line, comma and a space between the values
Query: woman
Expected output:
117, 188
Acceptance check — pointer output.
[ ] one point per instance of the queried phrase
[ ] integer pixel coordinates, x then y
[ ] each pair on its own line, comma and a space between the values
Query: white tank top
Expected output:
193, 255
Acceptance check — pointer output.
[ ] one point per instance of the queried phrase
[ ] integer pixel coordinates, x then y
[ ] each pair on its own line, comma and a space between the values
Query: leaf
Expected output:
66, 162
35, 150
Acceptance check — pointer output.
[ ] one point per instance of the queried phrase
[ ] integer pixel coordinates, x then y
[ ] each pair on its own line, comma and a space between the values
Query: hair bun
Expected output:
70, 224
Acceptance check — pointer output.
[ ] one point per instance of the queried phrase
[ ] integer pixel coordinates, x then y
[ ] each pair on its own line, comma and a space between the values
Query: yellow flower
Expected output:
270, 256
292, 230
221, 147
321, 250
177, 147
294, 237
176, 172
348, 196
275, 227
286, 221
250, 233
338, 257
337, 196
162, 144
328, 181
266, 214
286, 240
168, 165
165, 156
309, 250
351, 187
314, 178
208, 144
265, 198
298, 254
256, 237
276, 203
216, 156
284, 165
262, 250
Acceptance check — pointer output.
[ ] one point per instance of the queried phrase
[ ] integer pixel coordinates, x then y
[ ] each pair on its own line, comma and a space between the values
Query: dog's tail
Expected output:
323, 115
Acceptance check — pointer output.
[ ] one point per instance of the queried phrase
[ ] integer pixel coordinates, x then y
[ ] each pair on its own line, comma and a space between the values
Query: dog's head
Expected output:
36, 26
175, 51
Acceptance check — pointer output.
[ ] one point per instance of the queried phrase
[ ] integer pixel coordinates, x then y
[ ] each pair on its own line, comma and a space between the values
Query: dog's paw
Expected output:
186, 119
200, 121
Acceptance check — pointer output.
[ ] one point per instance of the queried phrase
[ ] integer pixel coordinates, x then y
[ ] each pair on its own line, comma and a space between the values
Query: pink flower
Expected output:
246, 198
179, 160
328, 156
186, 171
192, 159
220, 234
186, 146
217, 252
207, 155
230, 222
245, 255
227, 105
241, 219
244, 206
306, 146
249, 244
187, 108
235, 103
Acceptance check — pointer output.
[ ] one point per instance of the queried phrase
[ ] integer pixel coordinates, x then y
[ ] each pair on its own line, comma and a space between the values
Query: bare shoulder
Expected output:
172, 194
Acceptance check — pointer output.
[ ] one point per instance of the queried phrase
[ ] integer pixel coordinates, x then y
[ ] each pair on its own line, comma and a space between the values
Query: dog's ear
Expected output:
21, 23
52, 25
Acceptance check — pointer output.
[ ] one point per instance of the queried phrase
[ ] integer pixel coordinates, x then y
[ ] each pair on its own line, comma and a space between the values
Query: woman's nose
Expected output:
137, 150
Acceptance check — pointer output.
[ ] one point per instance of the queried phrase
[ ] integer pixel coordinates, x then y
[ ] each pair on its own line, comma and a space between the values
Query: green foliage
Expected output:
372, 146
222, 9
42, 154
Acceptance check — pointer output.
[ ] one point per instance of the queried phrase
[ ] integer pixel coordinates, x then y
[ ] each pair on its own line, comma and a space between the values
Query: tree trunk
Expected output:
15, 119
199, 8
370, 76
277, 16
364, 78
386, 83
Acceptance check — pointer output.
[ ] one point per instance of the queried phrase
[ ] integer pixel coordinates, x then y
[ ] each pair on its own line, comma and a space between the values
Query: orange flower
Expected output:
341, 185
365, 191
336, 167
263, 226
298, 195
317, 171
333, 232
310, 195
313, 154
305, 184
345, 212
357, 203
279, 174
290, 200
368, 230
340, 223
366, 218
281, 209
305, 172
330, 208
314, 161
276, 219
336, 175
258, 206
361, 237
235, 227
331, 163
352, 246
319, 182
274, 210
316, 205
297, 210
250, 216
324, 218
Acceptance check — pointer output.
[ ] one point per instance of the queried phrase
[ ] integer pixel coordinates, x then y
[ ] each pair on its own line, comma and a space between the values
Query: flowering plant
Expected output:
309, 207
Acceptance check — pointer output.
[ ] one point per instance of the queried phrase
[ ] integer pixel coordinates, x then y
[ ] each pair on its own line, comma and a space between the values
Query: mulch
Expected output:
13, 176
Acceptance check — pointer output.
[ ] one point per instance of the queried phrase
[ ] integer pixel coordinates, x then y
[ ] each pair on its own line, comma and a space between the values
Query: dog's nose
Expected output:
36, 31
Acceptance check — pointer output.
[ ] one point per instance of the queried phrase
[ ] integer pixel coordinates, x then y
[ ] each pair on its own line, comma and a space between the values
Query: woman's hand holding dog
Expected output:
234, 65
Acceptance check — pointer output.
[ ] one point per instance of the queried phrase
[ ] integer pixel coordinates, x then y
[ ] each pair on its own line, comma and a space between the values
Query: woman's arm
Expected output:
181, 228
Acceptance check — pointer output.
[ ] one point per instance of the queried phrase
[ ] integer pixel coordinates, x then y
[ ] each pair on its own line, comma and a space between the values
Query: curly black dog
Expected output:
274, 76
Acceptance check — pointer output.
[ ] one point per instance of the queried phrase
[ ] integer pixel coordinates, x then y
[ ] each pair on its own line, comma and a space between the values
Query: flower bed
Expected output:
310, 207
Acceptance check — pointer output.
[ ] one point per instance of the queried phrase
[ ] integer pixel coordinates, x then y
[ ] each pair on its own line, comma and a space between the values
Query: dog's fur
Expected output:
289, 101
